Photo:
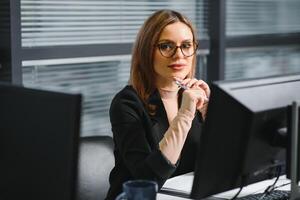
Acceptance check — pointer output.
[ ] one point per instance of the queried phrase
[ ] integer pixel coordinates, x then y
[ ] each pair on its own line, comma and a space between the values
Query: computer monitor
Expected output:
39, 132
243, 135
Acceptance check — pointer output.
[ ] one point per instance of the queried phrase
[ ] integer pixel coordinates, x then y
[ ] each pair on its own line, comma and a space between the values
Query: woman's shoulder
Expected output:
127, 93
126, 101
126, 96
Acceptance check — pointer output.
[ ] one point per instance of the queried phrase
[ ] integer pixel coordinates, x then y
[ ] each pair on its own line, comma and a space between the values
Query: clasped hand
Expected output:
196, 96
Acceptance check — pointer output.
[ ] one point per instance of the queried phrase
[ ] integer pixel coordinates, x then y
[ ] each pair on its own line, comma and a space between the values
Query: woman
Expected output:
155, 128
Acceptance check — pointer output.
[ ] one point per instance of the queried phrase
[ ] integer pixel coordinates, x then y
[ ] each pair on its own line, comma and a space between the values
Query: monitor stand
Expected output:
295, 188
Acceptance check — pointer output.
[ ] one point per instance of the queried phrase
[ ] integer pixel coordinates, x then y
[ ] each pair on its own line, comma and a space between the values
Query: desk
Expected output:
183, 184
168, 197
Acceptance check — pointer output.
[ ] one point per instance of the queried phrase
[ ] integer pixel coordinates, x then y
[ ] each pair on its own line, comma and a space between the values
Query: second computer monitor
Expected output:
39, 135
243, 139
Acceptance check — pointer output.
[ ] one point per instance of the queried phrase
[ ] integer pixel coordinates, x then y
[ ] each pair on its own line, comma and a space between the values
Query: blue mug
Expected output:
138, 190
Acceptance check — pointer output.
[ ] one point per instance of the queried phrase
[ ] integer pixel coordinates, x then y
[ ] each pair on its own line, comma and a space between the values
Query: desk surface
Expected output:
183, 184
168, 197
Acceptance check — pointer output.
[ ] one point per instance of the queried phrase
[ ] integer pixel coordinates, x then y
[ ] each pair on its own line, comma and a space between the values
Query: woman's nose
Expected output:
178, 53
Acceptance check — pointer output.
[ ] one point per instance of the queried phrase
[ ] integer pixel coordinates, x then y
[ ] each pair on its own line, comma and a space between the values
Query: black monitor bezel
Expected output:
233, 179
70, 105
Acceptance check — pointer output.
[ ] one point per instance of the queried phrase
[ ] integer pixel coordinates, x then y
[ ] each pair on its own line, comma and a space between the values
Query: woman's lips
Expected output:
177, 66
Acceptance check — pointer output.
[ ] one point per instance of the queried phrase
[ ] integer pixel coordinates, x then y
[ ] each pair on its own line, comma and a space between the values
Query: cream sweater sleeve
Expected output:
174, 139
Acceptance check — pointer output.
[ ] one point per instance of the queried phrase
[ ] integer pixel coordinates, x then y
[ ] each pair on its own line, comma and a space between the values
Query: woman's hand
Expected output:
196, 96
196, 84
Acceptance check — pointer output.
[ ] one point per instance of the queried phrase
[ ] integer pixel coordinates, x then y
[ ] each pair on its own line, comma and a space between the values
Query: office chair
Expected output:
95, 162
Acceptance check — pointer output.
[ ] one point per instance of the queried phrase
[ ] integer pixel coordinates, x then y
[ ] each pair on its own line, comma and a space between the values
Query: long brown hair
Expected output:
142, 74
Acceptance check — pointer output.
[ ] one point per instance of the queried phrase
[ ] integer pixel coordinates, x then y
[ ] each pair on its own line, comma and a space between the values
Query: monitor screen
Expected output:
39, 133
243, 135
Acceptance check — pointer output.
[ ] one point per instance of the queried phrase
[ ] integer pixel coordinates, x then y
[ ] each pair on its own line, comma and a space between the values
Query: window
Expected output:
55, 28
262, 61
250, 17
276, 53
52, 23
97, 79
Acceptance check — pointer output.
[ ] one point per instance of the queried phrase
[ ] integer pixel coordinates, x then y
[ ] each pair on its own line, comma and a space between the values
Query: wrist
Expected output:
186, 113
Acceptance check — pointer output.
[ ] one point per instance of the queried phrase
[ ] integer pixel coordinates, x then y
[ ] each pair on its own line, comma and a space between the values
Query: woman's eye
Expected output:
186, 45
166, 46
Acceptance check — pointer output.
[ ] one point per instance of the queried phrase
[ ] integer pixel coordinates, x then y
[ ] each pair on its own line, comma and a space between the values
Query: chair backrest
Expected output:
96, 160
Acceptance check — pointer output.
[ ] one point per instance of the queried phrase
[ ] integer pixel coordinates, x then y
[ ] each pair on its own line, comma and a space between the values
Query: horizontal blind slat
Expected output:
42, 22
98, 82
262, 62
248, 17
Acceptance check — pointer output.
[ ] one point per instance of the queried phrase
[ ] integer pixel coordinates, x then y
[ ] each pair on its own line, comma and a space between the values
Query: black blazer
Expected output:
137, 135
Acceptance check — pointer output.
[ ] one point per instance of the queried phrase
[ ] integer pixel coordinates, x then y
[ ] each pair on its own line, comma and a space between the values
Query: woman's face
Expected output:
178, 65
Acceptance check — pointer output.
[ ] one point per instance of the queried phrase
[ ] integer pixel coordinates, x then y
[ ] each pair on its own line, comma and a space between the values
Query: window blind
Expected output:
52, 23
78, 22
248, 17
262, 62
97, 78
97, 81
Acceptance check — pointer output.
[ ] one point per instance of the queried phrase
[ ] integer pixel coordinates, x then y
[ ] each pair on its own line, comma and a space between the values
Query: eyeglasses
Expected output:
168, 49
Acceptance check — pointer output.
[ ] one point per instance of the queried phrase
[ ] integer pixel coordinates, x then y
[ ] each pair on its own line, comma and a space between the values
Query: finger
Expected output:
203, 111
192, 83
189, 83
204, 86
200, 103
195, 83
185, 81
199, 95
203, 108
199, 91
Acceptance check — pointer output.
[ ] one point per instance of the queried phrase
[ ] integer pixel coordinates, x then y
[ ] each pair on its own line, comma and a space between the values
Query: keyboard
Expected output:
274, 195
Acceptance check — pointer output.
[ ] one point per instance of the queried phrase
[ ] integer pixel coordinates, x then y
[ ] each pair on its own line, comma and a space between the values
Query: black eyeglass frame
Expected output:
195, 44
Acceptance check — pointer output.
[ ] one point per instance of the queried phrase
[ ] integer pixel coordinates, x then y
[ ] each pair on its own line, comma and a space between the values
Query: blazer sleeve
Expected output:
143, 162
